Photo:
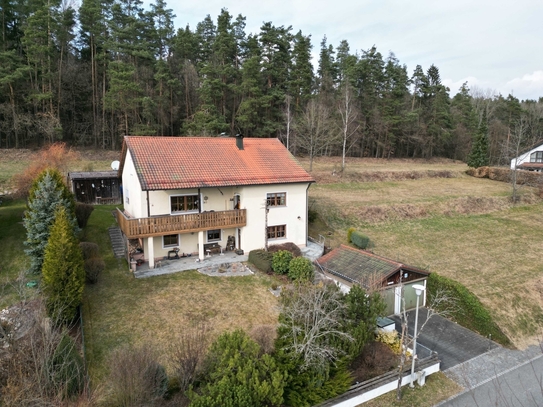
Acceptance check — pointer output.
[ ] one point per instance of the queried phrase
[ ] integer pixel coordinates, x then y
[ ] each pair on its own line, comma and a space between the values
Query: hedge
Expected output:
360, 240
261, 259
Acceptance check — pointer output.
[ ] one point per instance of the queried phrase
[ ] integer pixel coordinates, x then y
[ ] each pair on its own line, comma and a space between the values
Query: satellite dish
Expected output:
115, 165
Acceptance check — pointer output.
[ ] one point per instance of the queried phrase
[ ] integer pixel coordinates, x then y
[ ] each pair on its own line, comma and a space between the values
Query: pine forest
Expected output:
89, 75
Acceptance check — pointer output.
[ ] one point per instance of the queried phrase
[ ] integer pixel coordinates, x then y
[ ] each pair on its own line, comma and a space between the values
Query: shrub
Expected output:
66, 368
261, 259
281, 261
312, 215
300, 269
360, 240
136, 378
349, 233
89, 250
291, 247
82, 213
93, 268
390, 339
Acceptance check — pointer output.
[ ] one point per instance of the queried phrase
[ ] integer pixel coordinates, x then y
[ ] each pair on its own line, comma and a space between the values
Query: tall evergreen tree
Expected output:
63, 273
47, 193
478, 156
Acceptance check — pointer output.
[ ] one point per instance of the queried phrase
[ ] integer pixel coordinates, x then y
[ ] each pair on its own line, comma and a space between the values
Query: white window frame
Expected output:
274, 196
199, 200
213, 240
165, 246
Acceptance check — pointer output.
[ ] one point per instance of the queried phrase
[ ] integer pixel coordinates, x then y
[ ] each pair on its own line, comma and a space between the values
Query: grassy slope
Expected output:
463, 228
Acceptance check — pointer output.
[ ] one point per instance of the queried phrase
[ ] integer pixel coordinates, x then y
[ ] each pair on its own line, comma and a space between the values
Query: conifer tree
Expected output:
46, 194
478, 156
63, 273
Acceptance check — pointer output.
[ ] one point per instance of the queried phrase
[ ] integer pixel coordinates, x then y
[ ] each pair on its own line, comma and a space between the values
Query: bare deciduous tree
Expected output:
314, 129
349, 119
311, 321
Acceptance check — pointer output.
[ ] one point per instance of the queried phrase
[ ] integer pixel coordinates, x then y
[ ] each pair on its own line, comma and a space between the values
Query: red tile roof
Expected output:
195, 162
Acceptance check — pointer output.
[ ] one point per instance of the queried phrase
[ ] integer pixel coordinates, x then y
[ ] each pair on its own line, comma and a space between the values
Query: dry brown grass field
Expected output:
461, 227
428, 214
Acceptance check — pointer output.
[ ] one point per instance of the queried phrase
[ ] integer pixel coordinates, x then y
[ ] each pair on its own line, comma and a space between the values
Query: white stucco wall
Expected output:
134, 198
253, 199
524, 158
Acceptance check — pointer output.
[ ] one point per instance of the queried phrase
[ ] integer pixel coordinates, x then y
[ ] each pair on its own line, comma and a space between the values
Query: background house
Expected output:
200, 193
348, 266
530, 159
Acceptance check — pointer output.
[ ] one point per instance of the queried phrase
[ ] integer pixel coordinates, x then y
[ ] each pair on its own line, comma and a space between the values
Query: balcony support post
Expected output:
151, 251
201, 245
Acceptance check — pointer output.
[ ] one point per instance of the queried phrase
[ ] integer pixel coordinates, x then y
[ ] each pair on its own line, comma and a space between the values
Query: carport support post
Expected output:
418, 290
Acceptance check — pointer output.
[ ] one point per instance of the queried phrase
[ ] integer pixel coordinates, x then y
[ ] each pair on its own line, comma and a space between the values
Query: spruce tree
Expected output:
63, 273
478, 156
47, 192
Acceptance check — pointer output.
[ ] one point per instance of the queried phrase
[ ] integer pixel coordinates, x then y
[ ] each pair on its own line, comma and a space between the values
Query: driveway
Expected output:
453, 343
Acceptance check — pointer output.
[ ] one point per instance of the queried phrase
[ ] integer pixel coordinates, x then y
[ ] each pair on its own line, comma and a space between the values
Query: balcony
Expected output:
170, 224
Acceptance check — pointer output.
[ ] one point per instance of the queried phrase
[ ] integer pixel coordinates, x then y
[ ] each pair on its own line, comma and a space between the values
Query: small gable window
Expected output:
276, 199
536, 157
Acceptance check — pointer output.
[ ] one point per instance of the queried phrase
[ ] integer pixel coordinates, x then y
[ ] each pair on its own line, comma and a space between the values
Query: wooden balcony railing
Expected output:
170, 224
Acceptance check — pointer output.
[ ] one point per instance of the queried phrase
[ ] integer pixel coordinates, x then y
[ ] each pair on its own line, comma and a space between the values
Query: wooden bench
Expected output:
214, 248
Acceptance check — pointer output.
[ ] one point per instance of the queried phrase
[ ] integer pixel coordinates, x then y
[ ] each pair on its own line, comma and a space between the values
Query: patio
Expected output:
216, 264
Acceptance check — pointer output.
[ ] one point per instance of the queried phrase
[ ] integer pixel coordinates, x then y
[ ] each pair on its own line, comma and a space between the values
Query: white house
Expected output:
211, 193
531, 159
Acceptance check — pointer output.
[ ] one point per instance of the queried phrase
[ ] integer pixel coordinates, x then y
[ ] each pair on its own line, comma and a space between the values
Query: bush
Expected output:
89, 250
93, 268
312, 215
261, 259
360, 240
281, 261
136, 378
82, 213
390, 339
300, 269
349, 233
66, 368
291, 247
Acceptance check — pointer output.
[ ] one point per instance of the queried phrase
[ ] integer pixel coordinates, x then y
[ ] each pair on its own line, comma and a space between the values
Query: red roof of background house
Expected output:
196, 162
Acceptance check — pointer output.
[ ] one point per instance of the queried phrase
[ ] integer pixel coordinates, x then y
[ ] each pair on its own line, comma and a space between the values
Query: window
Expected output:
184, 203
536, 157
170, 240
213, 235
277, 232
276, 199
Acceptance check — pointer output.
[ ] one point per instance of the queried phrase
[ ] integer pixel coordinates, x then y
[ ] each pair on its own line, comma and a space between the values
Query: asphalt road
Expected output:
521, 386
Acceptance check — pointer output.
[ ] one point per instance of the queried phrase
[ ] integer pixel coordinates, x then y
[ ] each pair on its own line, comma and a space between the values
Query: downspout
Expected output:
307, 213
199, 201
148, 206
